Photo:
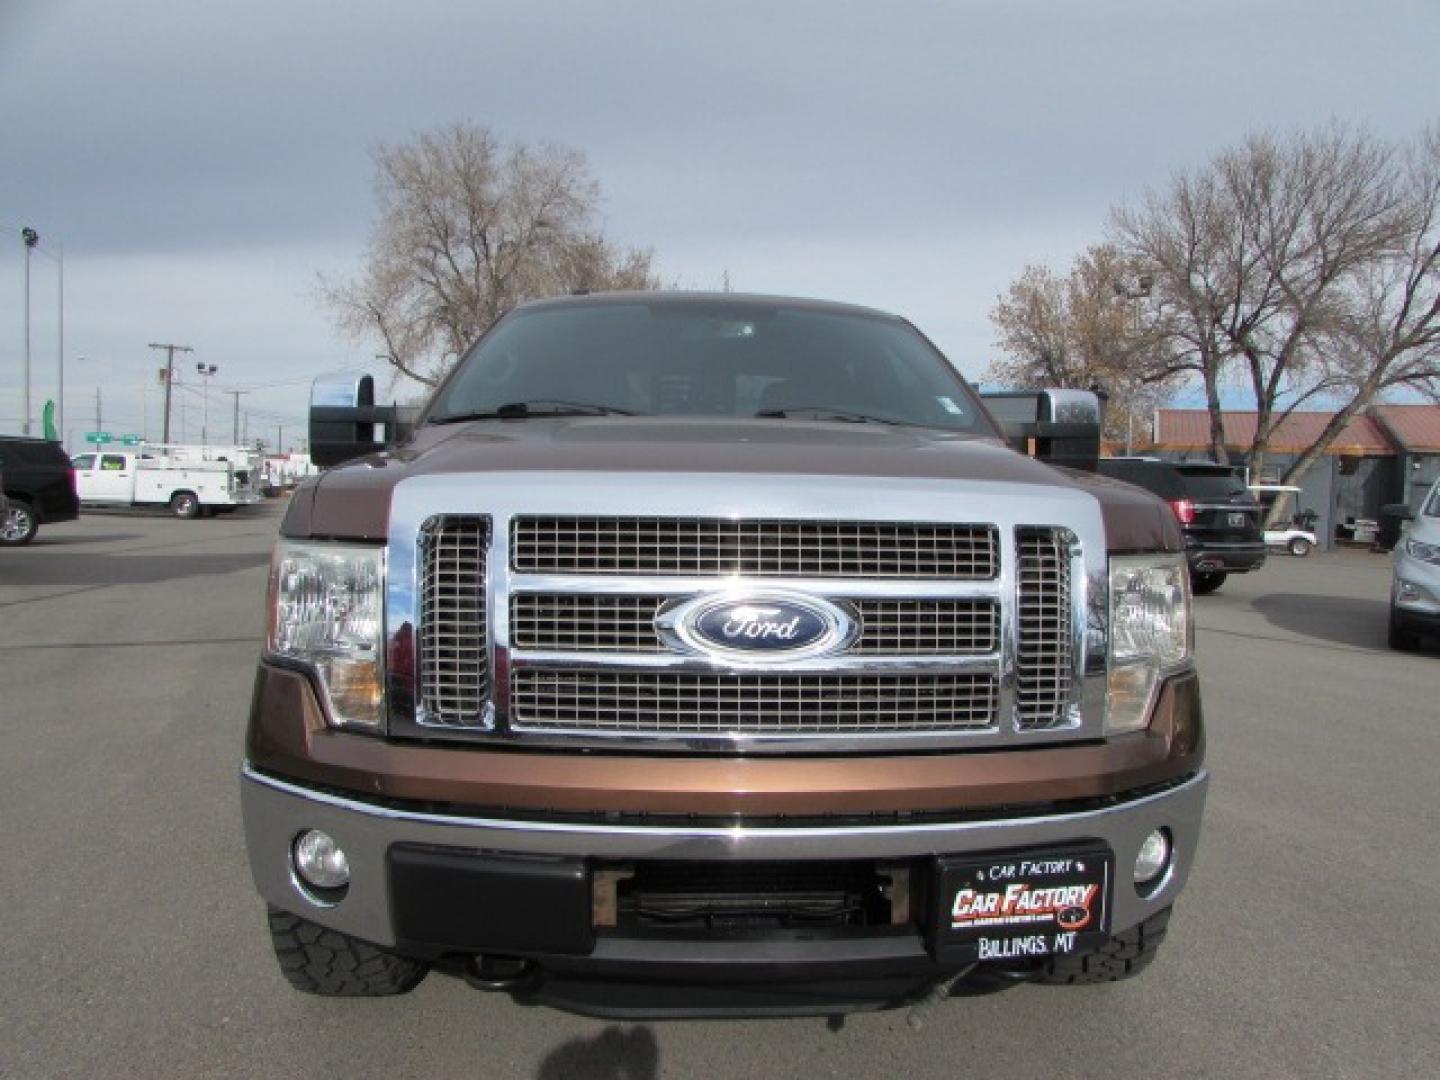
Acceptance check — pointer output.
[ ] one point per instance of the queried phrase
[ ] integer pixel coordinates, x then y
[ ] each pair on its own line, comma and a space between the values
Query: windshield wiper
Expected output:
817, 412
522, 410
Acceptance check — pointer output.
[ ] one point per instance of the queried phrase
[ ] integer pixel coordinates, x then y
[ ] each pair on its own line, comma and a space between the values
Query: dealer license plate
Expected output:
1015, 905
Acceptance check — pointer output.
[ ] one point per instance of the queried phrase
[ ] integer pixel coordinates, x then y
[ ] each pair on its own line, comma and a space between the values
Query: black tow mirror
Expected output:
1403, 511
1060, 427
346, 423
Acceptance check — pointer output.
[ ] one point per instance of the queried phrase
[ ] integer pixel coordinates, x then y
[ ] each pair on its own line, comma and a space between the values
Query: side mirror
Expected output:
1402, 511
346, 423
1060, 427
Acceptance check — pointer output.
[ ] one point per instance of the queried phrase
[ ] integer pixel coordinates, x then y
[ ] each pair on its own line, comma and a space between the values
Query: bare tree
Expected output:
1387, 336
1252, 255
467, 228
1087, 329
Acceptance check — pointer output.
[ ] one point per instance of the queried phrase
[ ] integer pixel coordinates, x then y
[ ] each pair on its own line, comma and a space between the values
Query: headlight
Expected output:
1424, 552
1150, 634
326, 603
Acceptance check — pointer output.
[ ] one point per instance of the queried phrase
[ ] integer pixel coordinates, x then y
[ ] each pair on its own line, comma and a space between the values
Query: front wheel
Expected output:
1299, 546
185, 504
331, 964
1124, 956
18, 524
1203, 583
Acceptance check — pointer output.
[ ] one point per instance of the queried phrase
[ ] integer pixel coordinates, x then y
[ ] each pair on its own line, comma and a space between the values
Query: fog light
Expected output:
1153, 858
320, 861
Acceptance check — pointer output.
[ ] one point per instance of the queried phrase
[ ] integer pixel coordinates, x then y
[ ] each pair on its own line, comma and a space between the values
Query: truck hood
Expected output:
352, 501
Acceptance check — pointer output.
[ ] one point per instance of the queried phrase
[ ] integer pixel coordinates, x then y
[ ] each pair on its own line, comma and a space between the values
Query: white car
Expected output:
1415, 588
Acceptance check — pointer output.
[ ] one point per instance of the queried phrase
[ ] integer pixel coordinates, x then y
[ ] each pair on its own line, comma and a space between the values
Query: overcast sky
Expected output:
202, 163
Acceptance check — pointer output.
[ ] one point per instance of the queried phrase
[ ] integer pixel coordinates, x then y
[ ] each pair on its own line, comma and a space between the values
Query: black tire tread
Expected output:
1204, 584
1122, 957
316, 960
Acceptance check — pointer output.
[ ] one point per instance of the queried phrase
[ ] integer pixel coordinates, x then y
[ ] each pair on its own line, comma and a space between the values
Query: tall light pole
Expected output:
1137, 292
205, 371
31, 238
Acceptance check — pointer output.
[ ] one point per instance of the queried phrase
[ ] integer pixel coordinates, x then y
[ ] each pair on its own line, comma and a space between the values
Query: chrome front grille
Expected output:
576, 622
683, 703
983, 656
1045, 652
454, 631
753, 548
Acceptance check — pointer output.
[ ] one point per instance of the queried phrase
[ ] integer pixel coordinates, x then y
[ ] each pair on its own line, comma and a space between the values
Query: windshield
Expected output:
709, 358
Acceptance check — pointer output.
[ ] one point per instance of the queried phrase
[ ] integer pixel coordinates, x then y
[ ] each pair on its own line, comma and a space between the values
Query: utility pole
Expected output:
98, 426
235, 437
170, 351
279, 439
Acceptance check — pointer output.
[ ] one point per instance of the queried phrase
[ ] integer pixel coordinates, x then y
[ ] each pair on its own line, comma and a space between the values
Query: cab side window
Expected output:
111, 463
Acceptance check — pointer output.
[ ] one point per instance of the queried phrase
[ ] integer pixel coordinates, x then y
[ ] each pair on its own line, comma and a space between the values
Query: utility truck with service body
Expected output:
189, 485
718, 655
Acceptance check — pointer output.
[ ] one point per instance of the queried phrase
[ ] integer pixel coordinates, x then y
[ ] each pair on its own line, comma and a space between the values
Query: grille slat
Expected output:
755, 548
454, 662
682, 703
1045, 651
566, 622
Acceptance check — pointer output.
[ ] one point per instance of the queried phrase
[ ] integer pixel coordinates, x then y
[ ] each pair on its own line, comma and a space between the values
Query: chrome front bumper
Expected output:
276, 812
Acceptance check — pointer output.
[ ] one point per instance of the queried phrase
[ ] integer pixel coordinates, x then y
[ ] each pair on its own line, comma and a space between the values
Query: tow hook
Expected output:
500, 973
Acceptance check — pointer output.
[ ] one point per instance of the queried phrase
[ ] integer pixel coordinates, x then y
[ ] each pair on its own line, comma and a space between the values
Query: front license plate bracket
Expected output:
1017, 905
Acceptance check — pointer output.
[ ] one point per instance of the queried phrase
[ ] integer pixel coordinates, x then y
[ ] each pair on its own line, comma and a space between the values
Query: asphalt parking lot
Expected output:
1306, 944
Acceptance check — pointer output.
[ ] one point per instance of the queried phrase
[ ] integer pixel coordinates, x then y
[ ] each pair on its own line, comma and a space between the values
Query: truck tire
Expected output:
185, 504
18, 524
1202, 584
1125, 955
315, 960
1299, 546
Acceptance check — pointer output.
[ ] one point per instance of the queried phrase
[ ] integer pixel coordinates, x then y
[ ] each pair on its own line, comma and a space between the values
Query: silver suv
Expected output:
1415, 588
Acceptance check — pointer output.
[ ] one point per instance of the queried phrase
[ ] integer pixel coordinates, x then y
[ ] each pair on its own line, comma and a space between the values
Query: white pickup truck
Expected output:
188, 488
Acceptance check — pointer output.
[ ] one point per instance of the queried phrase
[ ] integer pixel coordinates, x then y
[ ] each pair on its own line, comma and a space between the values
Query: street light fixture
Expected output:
205, 371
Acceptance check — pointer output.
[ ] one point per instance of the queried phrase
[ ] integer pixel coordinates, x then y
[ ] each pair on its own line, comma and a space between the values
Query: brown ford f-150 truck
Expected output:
716, 654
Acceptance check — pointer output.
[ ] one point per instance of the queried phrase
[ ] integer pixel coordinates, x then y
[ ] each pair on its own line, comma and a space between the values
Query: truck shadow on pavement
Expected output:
1343, 620
615, 1054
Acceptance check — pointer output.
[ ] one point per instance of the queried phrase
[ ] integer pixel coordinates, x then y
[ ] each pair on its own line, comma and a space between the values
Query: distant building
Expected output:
1390, 455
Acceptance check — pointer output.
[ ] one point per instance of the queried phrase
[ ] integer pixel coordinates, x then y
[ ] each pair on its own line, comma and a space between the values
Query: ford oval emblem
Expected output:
758, 627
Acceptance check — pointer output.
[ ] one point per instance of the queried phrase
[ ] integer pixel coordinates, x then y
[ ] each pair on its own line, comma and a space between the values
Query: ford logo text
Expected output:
757, 627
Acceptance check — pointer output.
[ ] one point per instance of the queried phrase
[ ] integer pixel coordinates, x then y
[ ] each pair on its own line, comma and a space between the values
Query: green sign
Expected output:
98, 437
131, 440
51, 432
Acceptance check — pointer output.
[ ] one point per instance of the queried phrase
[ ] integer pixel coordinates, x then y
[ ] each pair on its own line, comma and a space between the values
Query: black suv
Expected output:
1220, 516
39, 488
